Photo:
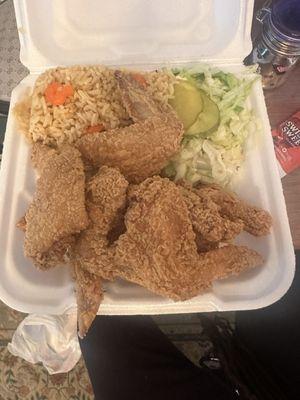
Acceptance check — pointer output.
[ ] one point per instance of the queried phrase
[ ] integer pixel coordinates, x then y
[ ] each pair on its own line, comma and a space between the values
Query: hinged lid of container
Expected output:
66, 32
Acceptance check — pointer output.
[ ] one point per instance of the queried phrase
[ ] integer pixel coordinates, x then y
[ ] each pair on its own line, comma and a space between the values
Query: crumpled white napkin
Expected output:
49, 339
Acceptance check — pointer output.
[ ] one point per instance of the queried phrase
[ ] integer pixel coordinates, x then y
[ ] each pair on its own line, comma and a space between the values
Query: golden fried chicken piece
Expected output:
219, 216
207, 219
58, 254
92, 253
159, 252
141, 149
138, 103
92, 257
254, 219
105, 199
40, 156
89, 295
58, 207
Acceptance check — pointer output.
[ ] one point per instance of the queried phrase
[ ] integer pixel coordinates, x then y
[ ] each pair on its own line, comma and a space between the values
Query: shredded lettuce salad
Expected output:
218, 157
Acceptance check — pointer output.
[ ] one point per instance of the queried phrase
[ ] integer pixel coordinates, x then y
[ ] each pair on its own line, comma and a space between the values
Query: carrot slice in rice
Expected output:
140, 79
95, 128
57, 93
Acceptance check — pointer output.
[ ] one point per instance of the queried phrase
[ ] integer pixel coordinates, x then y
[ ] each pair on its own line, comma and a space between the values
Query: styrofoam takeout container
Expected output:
143, 34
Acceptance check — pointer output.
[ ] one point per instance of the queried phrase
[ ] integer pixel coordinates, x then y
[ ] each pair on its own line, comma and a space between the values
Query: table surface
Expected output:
281, 103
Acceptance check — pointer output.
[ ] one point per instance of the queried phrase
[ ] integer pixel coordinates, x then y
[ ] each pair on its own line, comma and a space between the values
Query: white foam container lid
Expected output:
143, 34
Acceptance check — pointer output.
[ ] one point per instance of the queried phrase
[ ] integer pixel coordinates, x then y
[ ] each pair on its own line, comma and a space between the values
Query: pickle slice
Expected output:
187, 102
208, 120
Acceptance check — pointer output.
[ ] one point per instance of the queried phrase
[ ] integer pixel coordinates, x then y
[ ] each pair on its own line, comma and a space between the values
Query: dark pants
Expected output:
130, 358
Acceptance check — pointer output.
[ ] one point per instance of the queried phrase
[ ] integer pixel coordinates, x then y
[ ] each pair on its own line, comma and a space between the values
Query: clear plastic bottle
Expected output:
277, 49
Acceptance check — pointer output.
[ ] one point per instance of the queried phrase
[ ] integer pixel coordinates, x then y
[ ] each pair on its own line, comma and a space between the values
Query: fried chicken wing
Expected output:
141, 149
92, 257
89, 295
139, 105
255, 220
58, 253
207, 220
58, 207
159, 252
106, 197
40, 156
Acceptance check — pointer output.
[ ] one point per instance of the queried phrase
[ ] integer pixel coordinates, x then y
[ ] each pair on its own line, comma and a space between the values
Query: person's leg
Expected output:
272, 335
130, 358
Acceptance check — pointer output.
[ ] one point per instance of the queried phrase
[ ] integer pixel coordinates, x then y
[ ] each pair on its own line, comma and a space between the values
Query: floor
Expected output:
11, 69
22, 380
2, 131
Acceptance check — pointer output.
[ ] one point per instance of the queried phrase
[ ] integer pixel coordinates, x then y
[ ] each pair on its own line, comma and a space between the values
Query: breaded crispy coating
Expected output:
159, 252
141, 149
58, 207
89, 295
92, 257
106, 198
169, 237
40, 156
255, 220
207, 219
